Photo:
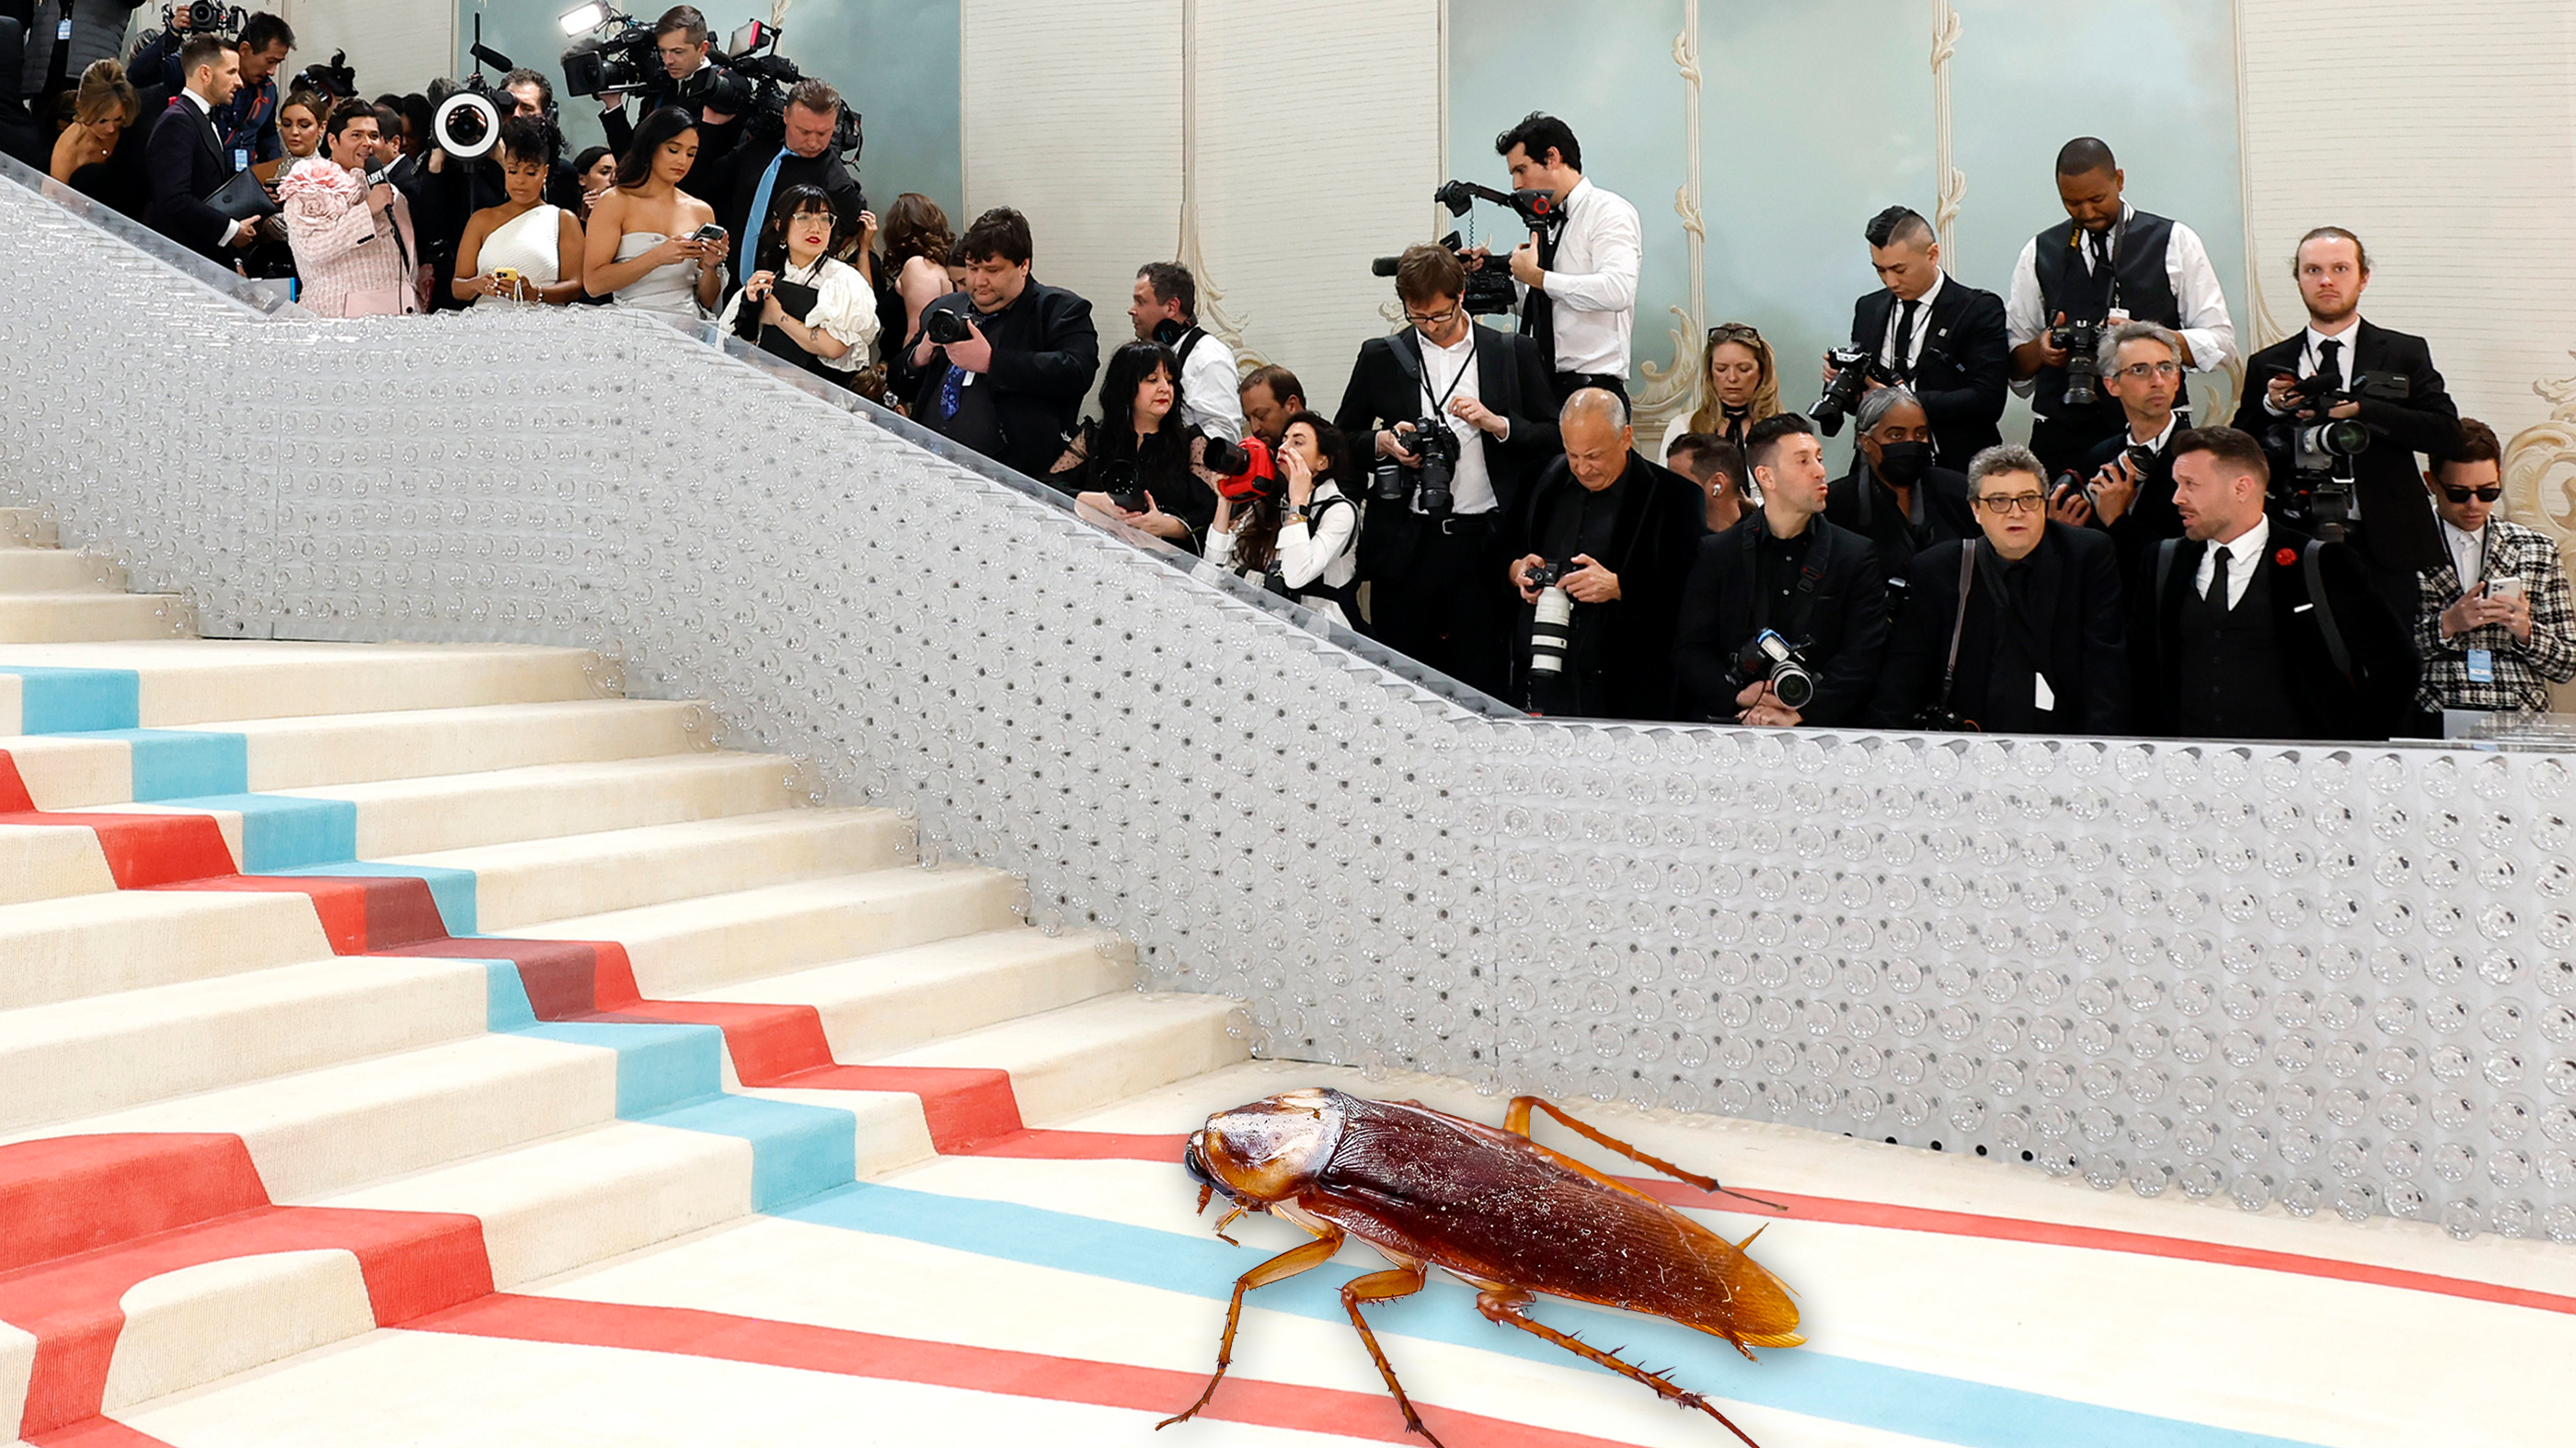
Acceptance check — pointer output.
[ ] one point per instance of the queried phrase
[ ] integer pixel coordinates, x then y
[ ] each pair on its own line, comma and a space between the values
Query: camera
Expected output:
1244, 469
1773, 659
1852, 370
1432, 441
1537, 209
1489, 288
615, 64
1550, 574
753, 81
334, 79
1118, 480
943, 326
206, 17
2314, 496
467, 123
2082, 342
1552, 625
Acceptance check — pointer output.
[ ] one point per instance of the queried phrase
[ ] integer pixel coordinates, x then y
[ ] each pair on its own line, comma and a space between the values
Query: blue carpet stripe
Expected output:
172, 763
67, 701
1819, 1384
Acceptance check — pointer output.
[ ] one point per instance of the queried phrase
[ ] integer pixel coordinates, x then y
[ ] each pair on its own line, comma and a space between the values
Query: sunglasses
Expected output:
1734, 332
2462, 495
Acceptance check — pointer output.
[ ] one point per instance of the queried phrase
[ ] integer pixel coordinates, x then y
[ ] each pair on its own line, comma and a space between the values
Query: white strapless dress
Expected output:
528, 243
672, 288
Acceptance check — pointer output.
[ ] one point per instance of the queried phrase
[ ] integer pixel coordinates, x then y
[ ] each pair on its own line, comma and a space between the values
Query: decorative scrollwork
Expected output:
1673, 390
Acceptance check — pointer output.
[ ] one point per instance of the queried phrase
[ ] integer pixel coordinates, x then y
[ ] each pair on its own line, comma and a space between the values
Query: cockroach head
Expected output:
1270, 1150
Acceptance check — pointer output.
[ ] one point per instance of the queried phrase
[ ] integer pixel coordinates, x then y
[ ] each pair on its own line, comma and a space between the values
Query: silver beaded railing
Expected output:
2317, 976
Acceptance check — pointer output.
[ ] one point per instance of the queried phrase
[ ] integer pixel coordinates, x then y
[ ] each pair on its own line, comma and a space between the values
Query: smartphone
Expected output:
507, 276
2508, 587
711, 232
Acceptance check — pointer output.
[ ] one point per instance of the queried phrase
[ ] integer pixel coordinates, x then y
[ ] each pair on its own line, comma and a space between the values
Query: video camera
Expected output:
620, 63
1773, 659
1853, 368
2314, 497
751, 55
1489, 289
1393, 483
335, 79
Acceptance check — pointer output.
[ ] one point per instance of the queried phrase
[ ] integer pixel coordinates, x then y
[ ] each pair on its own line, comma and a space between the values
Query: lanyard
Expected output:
1440, 404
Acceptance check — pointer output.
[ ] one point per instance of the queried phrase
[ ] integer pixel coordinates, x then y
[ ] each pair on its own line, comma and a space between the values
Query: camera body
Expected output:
1245, 470
1771, 659
1489, 288
1853, 368
622, 63
943, 326
1430, 479
2082, 343
2313, 496
1118, 480
334, 79
1552, 573
206, 17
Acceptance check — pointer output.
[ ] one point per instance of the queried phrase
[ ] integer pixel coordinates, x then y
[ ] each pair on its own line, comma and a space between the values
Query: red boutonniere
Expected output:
2286, 556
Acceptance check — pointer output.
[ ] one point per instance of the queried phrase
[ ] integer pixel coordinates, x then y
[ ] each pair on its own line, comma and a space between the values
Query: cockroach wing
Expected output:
1493, 1207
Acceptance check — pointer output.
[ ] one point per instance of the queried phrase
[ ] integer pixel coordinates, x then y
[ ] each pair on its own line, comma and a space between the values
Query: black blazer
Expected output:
2372, 703
1965, 368
1626, 645
1846, 635
1862, 504
187, 166
2074, 609
1045, 354
2398, 527
2151, 517
1386, 388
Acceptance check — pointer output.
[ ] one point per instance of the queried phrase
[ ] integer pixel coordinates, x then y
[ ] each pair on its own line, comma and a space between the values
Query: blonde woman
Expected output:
103, 106
1739, 385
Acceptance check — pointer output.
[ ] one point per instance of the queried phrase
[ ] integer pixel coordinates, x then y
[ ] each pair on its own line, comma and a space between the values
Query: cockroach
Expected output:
1490, 1207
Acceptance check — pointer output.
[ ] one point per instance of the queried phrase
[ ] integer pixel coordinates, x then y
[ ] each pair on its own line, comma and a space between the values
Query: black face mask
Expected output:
1903, 464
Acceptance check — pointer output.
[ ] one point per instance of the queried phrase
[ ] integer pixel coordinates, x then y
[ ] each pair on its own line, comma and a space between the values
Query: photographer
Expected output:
1604, 543
2494, 624
804, 158
1894, 496
2035, 645
1164, 308
693, 81
2244, 629
1270, 395
1578, 283
1932, 333
1789, 578
532, 97
2363, 373
1135, 465
2107, 263
1307, 546
1004, 365
1739, 385
1430, 546
2125, 484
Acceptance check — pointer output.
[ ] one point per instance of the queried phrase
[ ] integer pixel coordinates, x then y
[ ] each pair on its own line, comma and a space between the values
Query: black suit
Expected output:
187, 166
2322, 702
751, 162
2067, 628
1963, 371
1045, 353
1846, 630
1437, 586
1864, 505
2398, 531
1621, 659
2151, 516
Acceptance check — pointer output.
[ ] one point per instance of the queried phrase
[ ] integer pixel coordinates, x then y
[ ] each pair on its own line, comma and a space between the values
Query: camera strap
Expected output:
1802, 600
2335, 650
1421, 370
1959, 620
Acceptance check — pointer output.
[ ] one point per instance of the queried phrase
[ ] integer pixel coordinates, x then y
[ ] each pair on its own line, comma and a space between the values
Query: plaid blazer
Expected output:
2523, 671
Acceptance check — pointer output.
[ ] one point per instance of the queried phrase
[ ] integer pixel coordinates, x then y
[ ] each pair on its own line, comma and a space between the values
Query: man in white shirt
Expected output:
1578, 285
2107, 263
2245, 629
1164, 308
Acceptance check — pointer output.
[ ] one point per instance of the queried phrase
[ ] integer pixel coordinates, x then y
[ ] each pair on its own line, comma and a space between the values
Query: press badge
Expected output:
2481, 666
63, 29
241, 158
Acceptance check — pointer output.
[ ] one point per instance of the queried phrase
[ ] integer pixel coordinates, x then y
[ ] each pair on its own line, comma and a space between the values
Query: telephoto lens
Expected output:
1551, 630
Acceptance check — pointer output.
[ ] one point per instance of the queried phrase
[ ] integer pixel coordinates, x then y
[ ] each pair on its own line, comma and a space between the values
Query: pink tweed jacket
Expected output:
351, 263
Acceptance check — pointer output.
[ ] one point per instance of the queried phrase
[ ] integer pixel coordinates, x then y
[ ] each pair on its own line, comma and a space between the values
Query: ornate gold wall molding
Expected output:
2540, 466
1951, 183
1671, 391
1212, 314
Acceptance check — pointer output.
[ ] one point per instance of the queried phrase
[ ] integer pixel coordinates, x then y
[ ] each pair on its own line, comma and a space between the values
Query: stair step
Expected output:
710, 943
26, 528
1084, 1057
92, 945
455, 811
556, 879
69, 771
45, 862
56, 570
77, 1057
213, 1320
199, 681
880, 1004
46, 618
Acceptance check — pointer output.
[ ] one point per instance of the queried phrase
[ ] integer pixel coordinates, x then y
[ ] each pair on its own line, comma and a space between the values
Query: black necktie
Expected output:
2218, 583
2099, 243
2328, 362
1904, 364
1538, 309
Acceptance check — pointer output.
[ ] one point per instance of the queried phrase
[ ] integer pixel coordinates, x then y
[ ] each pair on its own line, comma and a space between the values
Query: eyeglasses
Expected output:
2141, 371
2462, 495
2017, 503
1431, 319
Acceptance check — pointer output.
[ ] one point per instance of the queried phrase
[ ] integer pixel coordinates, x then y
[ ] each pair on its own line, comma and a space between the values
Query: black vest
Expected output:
2234, 683
2138, 284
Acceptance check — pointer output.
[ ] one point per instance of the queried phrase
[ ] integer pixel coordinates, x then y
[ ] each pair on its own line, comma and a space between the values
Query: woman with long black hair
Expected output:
1300, 541
642, 244
801, 305
1134, 464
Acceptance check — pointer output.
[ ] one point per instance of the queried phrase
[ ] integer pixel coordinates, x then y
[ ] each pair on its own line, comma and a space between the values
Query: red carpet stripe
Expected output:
96, 1433
690, 1333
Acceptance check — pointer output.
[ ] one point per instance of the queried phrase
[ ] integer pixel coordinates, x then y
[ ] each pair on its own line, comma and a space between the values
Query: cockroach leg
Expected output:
1227, 1221
1287, 1264
1205, 1195
1517, 1121
1509, 1306
1386, 1286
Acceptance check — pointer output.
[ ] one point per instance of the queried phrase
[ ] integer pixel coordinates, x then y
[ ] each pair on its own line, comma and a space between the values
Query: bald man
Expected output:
1620, 533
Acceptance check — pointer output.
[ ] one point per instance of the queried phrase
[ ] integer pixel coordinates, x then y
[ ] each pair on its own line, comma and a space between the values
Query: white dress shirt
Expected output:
1209, 399
206, 108
2243, 557
1922, 327
2468, 553
1471, 490
2206, 327
2158, 443
1594, 282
